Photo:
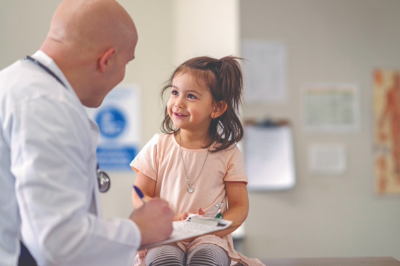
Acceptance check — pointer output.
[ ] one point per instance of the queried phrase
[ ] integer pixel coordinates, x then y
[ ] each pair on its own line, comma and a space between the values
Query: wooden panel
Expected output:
366, 261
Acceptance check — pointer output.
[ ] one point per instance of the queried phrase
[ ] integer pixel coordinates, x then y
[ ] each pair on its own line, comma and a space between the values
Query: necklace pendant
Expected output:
190, 190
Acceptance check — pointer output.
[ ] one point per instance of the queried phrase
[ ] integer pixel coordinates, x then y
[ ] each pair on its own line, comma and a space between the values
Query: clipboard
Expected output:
192, 227
269, 155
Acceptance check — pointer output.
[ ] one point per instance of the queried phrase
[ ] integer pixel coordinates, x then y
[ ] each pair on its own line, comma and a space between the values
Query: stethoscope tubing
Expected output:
103, 179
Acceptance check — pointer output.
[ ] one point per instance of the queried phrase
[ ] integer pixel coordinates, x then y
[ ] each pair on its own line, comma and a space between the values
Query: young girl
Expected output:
196, 164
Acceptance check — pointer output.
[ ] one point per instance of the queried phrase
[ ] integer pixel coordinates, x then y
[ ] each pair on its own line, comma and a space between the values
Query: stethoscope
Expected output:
102, 177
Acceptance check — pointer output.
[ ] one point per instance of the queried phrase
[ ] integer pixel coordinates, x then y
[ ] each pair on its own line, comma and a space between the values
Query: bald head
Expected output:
90, 41
91, 25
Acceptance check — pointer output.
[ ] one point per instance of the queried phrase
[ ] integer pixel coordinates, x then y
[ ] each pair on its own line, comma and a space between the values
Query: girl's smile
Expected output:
179, 115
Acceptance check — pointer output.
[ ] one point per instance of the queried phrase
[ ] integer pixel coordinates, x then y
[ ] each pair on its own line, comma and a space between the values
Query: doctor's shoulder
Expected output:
21, 82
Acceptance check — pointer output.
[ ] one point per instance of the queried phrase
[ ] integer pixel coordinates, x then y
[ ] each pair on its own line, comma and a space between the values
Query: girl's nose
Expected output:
179, 103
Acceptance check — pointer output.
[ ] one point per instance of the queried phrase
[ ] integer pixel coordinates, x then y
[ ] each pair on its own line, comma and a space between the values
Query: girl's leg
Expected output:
165, 255
208, 254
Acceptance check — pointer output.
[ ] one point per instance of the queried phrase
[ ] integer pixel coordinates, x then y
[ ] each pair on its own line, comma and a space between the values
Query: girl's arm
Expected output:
238, 206
146, 185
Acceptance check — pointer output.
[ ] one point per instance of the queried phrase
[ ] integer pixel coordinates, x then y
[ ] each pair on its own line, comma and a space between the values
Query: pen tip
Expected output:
138, 191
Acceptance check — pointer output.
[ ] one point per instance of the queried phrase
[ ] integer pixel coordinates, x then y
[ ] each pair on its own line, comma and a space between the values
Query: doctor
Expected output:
49, 197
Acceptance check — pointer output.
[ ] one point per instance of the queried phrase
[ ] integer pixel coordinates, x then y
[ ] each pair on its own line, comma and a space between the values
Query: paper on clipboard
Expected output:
269, 157
190, 228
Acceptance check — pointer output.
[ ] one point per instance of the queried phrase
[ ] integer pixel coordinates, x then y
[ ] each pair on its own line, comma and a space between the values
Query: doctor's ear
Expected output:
219, 109
105, 59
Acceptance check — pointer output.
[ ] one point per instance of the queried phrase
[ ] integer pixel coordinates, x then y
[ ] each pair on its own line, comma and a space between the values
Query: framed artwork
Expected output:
387, 131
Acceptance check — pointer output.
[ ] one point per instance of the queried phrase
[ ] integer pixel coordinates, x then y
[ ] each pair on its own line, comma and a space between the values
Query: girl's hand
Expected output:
200, 212
182, 216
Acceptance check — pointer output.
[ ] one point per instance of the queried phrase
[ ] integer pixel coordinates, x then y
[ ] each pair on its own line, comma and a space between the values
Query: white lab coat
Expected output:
49, 194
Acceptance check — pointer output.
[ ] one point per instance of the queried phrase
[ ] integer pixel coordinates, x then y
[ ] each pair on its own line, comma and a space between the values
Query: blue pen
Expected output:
140, 193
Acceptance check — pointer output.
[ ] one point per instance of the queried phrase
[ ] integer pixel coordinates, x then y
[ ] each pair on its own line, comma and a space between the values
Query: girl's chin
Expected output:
177, 126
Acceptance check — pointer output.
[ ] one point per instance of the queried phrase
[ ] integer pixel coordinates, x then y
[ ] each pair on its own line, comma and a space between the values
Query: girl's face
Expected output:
190, 104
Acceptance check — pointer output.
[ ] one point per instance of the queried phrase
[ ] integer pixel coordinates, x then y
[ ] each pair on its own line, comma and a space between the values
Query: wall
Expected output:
23, 27
205, 28
327, 41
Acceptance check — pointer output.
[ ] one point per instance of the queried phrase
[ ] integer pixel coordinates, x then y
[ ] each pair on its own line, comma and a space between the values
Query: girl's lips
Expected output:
180, 115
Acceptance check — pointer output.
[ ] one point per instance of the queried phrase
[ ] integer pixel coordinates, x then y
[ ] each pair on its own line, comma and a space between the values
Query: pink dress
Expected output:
160, 159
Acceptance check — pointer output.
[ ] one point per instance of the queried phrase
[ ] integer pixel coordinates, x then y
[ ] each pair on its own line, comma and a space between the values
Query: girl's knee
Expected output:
165, 255
208, 254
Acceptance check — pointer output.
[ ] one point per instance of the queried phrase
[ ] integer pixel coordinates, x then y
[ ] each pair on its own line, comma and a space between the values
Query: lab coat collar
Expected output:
46, 60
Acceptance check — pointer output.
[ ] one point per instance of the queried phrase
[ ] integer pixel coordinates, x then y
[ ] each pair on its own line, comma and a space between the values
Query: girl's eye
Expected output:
191, 96
174, 92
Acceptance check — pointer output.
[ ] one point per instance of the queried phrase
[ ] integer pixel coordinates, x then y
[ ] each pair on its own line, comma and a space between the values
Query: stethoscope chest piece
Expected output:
104, 180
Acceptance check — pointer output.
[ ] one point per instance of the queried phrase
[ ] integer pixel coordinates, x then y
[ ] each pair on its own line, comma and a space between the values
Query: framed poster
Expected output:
331, 108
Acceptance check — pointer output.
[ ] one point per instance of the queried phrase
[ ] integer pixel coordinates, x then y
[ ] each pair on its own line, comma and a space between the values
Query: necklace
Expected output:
190, 186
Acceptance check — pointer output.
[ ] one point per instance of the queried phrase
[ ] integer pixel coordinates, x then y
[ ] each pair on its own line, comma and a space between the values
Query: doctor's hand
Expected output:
154, 220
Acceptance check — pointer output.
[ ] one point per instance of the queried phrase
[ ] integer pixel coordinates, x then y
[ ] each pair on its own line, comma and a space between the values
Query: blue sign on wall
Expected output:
119, 124
115, 158
111, 122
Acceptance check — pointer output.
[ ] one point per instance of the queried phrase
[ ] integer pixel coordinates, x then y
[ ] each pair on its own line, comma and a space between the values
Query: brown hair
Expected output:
224, 79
